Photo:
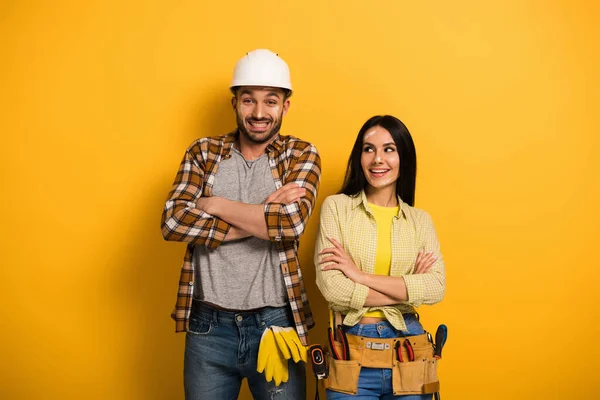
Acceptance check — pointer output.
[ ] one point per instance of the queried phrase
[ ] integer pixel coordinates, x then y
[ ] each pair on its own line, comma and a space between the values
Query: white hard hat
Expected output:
261, 68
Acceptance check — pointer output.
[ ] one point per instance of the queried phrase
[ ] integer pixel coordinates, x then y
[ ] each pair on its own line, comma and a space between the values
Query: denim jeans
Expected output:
376, 383
221, 349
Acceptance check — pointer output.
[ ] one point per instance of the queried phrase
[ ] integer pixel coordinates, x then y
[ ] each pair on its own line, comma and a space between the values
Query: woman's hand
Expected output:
424, 262
341, 261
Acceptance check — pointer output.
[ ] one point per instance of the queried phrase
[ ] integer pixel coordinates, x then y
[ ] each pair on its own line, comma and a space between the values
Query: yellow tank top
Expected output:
384, 216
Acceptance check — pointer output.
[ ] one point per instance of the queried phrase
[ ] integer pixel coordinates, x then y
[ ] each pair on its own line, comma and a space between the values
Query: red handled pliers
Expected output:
409, 350
334, 352
343, 340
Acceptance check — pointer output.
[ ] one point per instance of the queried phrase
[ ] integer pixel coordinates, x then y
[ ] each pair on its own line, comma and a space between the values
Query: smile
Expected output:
378, 173
258, 125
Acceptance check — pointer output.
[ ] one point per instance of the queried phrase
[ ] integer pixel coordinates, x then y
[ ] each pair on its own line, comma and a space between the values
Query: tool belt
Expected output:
411, 359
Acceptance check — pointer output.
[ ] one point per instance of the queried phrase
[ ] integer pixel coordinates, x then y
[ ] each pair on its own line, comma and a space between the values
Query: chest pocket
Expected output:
361, 241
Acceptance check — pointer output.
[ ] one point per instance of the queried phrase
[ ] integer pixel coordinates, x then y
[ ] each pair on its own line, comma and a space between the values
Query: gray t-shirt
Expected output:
246, 273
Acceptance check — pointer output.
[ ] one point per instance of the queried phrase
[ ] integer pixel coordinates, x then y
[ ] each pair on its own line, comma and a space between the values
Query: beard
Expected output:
258, 138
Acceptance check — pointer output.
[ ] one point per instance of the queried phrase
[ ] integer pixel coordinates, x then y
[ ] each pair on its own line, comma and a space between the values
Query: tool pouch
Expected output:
343, 375
408, 377
418, 376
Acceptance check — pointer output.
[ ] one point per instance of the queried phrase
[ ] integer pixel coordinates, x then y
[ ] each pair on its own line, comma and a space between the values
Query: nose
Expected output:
377, 157
258, 111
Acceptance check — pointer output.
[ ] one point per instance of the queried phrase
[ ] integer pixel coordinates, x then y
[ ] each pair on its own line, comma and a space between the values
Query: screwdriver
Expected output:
440, 339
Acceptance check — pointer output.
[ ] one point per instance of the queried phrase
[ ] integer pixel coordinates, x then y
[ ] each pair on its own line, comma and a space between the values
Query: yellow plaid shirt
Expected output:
350, 221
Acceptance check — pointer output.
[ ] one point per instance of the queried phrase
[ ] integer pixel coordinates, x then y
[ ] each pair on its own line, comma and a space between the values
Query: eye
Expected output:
367, 149
272, 103
389, 149
247, 100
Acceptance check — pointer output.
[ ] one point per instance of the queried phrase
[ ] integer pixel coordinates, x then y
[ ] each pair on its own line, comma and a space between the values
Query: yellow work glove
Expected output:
271, 360
289, 343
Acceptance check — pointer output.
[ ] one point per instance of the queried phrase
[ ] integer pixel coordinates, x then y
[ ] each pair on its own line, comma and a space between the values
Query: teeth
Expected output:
379, 171
260, 124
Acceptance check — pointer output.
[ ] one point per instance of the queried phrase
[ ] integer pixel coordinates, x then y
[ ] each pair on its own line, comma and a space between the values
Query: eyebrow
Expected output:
385, 144
250, 93
274, 94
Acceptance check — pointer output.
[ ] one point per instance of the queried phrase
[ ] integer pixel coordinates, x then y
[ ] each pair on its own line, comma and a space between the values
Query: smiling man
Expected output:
241, 201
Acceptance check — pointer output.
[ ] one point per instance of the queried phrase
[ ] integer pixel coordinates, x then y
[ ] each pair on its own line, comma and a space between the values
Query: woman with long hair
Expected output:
378, 259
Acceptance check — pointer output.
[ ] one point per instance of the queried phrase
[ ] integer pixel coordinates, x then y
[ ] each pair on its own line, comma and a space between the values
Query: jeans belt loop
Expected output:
258, 318
215, 317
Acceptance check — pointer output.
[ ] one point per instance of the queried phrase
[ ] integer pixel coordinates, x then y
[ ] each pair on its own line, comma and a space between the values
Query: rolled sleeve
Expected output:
427, 288
286, 222
341, 292
359, 296
181, 220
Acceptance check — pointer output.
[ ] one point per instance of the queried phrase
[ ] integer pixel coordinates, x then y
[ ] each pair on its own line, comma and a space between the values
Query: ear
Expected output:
286, 106
233, 102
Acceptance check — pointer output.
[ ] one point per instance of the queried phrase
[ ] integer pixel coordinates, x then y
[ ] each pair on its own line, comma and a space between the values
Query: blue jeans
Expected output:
376, 383
221, 349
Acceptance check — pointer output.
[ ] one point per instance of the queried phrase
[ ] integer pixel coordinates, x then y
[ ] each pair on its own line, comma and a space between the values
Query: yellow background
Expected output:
99, 99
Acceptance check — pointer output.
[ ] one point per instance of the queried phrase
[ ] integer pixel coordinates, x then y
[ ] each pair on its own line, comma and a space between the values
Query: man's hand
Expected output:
204, 203
286, 194
249, 219
250, 216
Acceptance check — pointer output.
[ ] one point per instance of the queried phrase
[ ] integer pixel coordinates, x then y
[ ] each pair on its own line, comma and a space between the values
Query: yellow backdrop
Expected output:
99, 99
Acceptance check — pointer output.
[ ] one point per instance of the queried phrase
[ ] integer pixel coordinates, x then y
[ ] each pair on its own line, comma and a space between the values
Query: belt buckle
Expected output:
378, 346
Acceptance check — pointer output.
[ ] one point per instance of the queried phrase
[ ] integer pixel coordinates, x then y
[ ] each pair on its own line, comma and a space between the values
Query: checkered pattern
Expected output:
350, 221
291, 160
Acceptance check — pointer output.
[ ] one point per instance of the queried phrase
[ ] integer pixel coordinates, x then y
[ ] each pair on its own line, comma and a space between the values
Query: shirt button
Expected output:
379, 327
238, 318
191, 283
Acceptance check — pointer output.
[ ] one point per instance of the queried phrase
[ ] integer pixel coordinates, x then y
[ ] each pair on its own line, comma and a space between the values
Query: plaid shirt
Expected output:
349, 220
291, 160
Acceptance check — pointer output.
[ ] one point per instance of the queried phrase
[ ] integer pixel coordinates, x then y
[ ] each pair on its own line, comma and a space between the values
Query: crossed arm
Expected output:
384, 290
190, 216
347, 287
248, 219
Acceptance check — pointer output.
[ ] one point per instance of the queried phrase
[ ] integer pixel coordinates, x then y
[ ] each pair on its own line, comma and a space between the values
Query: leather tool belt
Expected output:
414, 368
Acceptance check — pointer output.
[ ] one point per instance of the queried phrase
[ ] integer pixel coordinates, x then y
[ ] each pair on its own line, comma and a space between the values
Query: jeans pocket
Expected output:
279, 317
200, 326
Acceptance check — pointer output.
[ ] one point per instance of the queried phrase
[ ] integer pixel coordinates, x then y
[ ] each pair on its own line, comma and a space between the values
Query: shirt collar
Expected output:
362, 199
228, 142
276, 145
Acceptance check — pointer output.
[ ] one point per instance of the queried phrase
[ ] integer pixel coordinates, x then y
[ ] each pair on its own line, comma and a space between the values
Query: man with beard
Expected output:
241, 201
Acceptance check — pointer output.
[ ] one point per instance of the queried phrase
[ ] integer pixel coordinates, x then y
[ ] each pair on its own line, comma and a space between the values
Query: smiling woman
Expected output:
380, 162
382, 143
378, 258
